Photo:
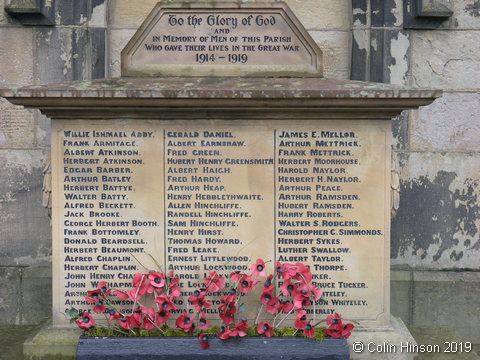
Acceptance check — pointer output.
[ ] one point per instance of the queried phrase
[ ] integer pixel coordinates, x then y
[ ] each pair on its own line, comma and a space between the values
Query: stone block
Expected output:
36, 294
448, 299
16, 126
400, 294
322, 14
10, 293
98, 15
449, 124
42, 129
445, 59
400, 126
118, 39
335, 46
25, 234
437, 224
313, 14
466, 15
16, 56
71, 12
67, 54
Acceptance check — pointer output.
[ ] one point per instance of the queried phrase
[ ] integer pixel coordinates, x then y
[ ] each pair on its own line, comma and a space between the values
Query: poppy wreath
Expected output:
288, 293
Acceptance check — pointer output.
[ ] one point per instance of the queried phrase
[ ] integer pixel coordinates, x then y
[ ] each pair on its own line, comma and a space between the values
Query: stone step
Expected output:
440, 335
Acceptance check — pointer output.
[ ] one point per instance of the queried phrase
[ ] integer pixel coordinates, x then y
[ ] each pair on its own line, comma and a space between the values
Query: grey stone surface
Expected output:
466, 14
449, 299
16, 56
16, 126
334, 45
36, 294
439, 336
449, 124
401, 295
400, 131
445, 59
25, 235
437, 224
10, 295
72, 12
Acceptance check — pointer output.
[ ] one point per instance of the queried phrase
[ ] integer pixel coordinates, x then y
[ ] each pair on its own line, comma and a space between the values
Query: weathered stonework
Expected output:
452, 61
437, 224
16, 126
17, 43
333, 45
450, 124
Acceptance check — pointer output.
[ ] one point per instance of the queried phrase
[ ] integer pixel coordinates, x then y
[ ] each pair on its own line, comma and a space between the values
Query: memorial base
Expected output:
52, 343
384, 343
173, 348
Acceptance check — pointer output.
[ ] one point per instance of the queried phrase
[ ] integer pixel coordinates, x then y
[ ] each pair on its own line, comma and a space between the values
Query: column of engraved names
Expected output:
316, 196
99, 231
212, 206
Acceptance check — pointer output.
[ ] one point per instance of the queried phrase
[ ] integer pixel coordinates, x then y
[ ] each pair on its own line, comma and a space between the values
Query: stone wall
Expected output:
435, 228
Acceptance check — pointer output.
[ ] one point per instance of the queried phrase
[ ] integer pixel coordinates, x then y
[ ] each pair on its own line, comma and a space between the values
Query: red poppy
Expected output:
198, 300
99, 307
285, 306
174, 287
301, 301
186, 323
156, 281
230, 297
149, 320
334, 319
203, 322
104, 290
272, 306
132, 294
165, 303
258, 269
139, 283
265, 328
339, 330
85, 321
227, 318
214, 282
92, 296
203, 338
236, 276
224, 333
265, 298
317, 292
246, 284
289, 288
309, 331
301, 320
239, 329
302, 272
124, 322
268, 286
162, 317
114, 315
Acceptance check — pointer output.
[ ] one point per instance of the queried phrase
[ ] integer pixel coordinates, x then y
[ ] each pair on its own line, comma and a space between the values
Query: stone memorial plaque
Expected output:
221, 39
130, 195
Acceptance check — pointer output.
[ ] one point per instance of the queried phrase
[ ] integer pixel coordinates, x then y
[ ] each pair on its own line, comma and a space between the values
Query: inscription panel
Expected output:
216, 195
228, 39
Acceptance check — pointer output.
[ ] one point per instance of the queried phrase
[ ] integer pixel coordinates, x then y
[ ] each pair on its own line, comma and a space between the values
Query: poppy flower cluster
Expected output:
288, 292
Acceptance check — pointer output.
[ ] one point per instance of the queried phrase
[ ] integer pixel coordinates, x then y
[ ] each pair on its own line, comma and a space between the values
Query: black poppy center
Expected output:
268, 297
279, 270
304, 292
204, 338
111, 312
308, 327
266, 327
165, 304
222, 329
203, 321
290, 288
245, 283
335, 321
303, 318
232, 291
162, 314
200, 303
267, 283
86, 319
103, 289
123, 320
95, 296
157, 280
260, 267
187, 321
98, 303
196, 293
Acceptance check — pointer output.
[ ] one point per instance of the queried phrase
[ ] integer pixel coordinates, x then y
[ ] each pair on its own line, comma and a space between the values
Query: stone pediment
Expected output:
221, 39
